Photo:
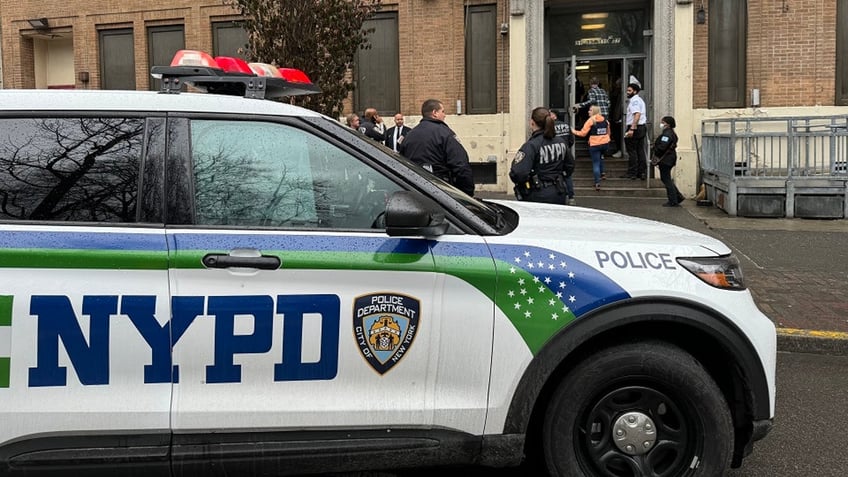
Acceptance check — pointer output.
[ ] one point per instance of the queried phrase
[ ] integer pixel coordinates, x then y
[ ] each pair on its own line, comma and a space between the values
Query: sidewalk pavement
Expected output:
796, 269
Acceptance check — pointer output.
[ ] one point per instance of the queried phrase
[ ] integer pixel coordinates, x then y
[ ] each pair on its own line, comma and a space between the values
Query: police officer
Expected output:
372, 126
563, 130
434, 146
537, 169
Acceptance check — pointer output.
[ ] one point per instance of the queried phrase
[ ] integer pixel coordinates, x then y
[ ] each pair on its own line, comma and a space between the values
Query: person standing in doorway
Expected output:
435, 147
563, 129
615, 117
396, 133
664, 156
537, 170
597, 128
637, 130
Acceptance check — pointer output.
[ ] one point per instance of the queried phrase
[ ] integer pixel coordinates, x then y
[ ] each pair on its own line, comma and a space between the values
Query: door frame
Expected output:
570, 86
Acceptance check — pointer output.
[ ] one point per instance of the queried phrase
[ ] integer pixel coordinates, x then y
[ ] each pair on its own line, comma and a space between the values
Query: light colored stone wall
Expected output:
486, 138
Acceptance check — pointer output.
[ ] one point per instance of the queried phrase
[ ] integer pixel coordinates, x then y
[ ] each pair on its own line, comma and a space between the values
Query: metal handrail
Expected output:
776, 147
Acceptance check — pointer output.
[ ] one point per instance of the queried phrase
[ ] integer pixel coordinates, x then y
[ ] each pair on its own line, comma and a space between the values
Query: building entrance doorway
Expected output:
569, 83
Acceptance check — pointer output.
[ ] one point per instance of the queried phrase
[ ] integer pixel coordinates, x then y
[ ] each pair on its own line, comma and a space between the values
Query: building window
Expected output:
229, 39
162, 43
481, 53
842, 53
728, 20
377, 69
117, 63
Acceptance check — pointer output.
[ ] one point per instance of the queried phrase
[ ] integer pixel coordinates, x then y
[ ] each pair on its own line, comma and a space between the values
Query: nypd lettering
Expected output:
562, 129
550, 153
59, 326
385, 325
635, 260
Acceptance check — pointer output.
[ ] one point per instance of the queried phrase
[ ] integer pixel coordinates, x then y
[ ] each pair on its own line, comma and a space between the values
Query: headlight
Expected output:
720, 272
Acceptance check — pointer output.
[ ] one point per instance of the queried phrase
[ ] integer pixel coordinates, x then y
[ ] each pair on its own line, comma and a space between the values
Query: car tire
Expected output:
638, 409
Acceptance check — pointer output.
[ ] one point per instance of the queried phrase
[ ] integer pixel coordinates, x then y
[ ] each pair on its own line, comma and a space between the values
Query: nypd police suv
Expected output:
204, 284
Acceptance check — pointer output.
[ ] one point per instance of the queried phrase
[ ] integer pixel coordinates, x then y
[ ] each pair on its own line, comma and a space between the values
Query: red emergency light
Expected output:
230, 75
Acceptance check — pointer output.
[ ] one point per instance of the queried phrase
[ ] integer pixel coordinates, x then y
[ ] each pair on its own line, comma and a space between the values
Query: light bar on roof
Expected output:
265, 69
193, 58
231, 64
294, 75
231, 76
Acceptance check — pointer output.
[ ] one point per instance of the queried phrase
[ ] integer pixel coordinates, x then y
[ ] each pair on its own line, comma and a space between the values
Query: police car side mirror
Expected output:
412, 214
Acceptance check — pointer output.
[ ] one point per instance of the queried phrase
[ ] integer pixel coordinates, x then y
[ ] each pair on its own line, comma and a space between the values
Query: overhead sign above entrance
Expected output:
596, 33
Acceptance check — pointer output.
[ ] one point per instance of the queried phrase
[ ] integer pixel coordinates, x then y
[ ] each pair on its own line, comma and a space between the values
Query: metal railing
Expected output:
785, 147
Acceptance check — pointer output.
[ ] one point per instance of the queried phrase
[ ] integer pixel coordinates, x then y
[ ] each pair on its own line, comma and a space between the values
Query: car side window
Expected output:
70, 169
252, 173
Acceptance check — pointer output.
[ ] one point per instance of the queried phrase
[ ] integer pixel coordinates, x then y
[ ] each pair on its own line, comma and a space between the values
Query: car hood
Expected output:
569, 223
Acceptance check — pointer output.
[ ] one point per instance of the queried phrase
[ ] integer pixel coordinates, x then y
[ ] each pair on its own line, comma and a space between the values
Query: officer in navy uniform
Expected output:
563, 130
435, 147
537, 169
372, 125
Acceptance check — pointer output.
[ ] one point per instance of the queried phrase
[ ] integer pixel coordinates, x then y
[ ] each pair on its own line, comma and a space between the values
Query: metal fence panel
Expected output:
776, 147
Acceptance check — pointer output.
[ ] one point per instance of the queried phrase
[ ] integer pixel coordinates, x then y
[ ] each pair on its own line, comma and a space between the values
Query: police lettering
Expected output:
635, 260
552, 152
385, 304
58, 325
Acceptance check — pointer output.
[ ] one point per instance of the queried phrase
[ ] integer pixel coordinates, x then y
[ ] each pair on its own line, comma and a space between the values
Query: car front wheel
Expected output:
640, 409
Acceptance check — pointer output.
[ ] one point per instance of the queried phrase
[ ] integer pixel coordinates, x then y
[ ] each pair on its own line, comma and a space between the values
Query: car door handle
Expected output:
222, 260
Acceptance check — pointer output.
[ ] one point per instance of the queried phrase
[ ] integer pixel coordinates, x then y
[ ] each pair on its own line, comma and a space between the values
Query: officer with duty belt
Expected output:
537, 169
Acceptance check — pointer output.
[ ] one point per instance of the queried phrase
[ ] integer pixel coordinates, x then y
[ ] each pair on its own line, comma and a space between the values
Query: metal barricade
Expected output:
748, 159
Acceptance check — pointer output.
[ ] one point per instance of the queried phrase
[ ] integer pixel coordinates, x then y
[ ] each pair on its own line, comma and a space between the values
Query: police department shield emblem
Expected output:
385, 324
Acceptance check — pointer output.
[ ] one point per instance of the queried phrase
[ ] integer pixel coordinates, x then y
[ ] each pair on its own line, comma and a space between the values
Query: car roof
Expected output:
120, 100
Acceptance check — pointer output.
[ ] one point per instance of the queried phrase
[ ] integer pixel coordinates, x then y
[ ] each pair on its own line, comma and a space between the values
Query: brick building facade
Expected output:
788, 51
79, 23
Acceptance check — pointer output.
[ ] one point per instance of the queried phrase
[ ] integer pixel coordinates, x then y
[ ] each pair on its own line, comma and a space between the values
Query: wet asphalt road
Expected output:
809, 436
808, 439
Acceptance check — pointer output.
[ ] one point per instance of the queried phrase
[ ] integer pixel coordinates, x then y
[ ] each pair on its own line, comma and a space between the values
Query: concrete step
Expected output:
618, 192
586, 180
614, 185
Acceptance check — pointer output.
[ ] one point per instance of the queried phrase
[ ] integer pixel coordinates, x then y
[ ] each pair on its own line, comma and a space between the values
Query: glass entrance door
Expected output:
560, 97
606, 72
613, 75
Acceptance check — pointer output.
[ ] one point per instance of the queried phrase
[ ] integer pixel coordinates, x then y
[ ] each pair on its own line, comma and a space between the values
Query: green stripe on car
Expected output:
536, 321
6, 302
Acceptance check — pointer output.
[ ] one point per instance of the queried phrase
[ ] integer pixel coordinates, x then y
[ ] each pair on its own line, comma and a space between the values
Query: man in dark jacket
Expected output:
372, 125
435, 147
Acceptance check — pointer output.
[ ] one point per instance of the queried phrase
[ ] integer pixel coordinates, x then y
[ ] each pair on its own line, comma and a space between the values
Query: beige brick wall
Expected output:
791, 53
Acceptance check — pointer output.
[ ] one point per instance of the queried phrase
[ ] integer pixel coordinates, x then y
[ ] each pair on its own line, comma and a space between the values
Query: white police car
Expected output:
198, 284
